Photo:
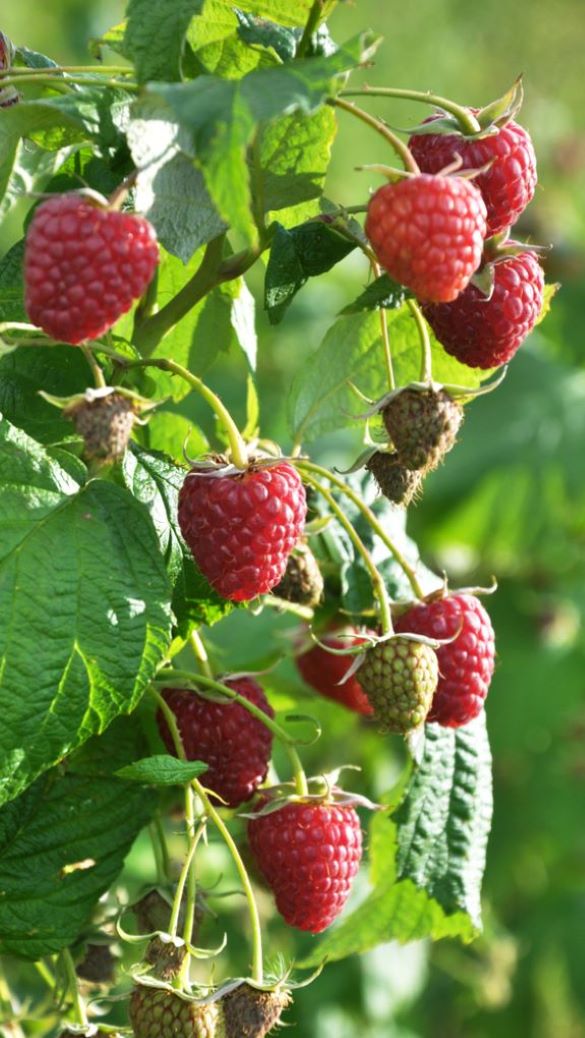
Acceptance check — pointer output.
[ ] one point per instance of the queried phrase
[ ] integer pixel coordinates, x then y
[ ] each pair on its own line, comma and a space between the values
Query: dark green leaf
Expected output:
82, 578
383, 292
305, 251
73, 833
258, 31
444, 820
162, 770
155, 36
294, 154
221, 116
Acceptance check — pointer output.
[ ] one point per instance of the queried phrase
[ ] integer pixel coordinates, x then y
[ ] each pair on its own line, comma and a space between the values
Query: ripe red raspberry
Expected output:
509, 183
427, 232
322, 671
482, 332
309, 853
84, 266
242, 529
234, 743
466, 664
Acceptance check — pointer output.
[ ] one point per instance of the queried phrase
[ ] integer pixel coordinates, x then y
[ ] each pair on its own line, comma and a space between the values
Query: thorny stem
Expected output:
200, 653
467, 120
272, 725
392, 139
377, 583
426, 374
407, 569
210, 811
312, 24
73, 986
98, 375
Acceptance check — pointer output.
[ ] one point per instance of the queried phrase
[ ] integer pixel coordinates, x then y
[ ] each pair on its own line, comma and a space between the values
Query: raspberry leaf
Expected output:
73, 831
221, 116
427, 858
162, 770
383, 292
91, 551
305, 251
155, 36
293, 158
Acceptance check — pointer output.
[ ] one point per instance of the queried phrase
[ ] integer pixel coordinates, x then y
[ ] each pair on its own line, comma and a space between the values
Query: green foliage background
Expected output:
510, 500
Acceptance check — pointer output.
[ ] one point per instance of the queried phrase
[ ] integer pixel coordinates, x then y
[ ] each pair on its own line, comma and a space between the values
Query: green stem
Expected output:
313, 20
44, 972
426, 371
378, 585
303, 612
58, 69
58, 82
73, 986
392, 139
211, 272
407, 569
467, 120
236, 442
257, 958
98, 375
163, 848
210, 811
200, 653
300, 779
386, 339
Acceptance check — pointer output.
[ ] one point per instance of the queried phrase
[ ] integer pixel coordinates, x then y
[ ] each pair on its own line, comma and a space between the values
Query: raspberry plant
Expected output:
128, 533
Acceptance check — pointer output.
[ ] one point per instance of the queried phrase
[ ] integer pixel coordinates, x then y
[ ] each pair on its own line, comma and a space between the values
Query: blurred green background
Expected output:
510, 500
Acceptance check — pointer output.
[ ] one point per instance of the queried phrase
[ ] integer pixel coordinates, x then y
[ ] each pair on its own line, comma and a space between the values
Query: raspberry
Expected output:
466, 664
484, 333
509, 183
302, 581
97, 965
400, 678
153, 912
84, 266
241, 529
399, 484
423, 426
8, 95
309, 854
234, 744
157, 1013
427, 232
105, 423
323, 671
250, 1013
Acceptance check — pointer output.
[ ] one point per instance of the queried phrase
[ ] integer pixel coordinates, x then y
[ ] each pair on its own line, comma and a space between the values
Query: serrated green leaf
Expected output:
285, 12
81, 575
294, 154
170, 188
31, 171
305, 251
427, 858
156, 481
259, 31
88, 113
219, 47
221, 117
73, 832
444, 820
162, 770
383, 292
173, 434
155, 36
32, 59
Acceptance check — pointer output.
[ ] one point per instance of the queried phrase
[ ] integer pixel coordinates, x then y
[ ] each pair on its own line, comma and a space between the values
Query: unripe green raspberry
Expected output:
423, 426
156, 1013
399, 484
302, 581
400, 677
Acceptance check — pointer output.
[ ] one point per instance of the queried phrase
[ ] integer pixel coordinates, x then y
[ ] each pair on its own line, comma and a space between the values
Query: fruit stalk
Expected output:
210, 811
426, 370
466, 119
79, 1010
200, 653
310, 466
392, 139
378, 585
